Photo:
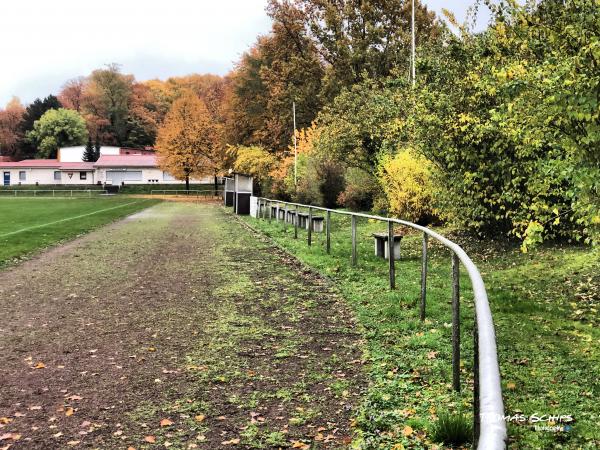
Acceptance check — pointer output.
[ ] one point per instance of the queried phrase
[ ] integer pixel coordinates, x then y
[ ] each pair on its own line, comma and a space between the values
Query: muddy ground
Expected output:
175, 328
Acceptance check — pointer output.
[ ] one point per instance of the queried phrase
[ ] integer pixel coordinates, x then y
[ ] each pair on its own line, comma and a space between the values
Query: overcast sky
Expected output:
44, 43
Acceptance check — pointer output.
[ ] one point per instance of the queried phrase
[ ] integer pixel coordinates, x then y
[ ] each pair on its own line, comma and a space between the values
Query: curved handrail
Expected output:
492, 434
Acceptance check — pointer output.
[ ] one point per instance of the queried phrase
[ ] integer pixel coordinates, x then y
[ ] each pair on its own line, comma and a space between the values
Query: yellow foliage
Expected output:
188, 142
305, 140
255, 161
406, 181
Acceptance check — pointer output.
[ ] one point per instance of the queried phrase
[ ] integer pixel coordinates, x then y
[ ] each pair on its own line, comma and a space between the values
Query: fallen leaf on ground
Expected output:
200, 417
511, 385
73, 443
231, 442
69, 412
150, 439
301, 445
39, 365
5, 420
166, 422
407, 430
12, 436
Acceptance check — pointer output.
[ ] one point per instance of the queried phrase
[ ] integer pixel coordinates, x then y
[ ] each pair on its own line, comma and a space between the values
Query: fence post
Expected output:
277, 213
391, 254
285, 217
296, 223
354, 254
270, 208
424, 276
309, 226
476, 424
455, 323
328, 232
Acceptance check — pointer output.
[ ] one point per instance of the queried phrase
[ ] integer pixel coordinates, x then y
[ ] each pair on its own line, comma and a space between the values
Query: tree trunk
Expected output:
187, 183
216, 186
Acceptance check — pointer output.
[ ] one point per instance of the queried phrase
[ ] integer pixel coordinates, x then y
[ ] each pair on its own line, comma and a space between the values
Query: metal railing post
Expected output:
455, 323
296, 223
476, 420
354, 253
423, 277
309, 226
328, 232
391, 254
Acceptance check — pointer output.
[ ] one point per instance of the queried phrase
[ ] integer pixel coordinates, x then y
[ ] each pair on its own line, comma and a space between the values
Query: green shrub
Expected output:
360, 192
452, 429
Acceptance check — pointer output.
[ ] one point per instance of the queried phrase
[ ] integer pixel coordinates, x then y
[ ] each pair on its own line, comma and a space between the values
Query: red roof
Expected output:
127, 161
47, 164
32, 163
77, 166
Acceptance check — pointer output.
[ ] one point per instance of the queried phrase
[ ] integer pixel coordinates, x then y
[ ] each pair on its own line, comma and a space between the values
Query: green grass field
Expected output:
545, 307
30, 224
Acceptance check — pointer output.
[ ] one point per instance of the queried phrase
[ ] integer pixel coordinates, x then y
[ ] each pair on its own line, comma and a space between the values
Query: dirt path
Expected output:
174, 328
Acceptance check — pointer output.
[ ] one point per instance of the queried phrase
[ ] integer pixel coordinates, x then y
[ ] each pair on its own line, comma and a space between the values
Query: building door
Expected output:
6, 178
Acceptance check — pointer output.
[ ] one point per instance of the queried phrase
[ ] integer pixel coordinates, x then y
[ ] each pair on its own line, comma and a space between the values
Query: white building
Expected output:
116, 167
47, 171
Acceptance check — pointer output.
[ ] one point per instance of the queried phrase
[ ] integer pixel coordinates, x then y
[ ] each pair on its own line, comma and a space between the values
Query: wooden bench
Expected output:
381, 245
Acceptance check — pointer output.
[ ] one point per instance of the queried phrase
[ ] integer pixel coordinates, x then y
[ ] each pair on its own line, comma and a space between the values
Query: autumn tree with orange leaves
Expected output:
189, 141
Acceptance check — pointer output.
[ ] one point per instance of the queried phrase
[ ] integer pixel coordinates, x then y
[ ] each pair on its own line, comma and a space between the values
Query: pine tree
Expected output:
89, 153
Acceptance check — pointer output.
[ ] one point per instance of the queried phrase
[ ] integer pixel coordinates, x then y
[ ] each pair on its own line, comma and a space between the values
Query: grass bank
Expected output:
545, 307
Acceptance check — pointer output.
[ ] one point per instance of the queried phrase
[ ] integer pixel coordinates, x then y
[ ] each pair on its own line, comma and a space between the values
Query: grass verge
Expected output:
545, 310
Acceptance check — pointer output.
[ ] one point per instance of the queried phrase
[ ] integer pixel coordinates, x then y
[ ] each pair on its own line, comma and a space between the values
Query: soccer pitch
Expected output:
30, 224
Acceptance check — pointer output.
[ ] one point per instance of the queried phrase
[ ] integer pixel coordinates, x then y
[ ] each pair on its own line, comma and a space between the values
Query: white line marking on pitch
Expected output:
66, 220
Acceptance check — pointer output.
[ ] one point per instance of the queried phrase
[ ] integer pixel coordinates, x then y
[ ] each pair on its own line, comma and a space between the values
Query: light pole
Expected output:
413, 65
295, 147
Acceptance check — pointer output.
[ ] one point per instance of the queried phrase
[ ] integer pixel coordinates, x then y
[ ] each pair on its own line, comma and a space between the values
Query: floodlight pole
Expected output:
295, 147
413, 65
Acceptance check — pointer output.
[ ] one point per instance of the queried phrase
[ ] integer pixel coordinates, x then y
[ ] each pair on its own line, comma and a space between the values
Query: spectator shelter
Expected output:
243, 192
229, 191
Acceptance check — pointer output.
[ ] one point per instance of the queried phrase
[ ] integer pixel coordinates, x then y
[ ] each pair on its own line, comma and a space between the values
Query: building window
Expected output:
83, 175
57, 175
22, 175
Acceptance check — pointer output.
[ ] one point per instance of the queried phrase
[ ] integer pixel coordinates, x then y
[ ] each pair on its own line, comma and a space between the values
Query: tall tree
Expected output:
57, 128
105, 104
71, 94
363, 37
34, 112
189, 141
11, 136
283, 67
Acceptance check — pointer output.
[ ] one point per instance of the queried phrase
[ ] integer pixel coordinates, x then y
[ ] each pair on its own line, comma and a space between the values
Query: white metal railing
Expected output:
197, 193
488, 407
60, 193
